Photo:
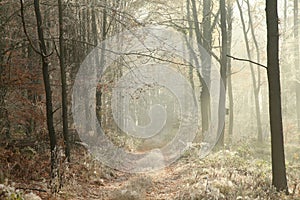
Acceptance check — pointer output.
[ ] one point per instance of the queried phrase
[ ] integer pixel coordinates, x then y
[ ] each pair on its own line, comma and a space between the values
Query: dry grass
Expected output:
239, 173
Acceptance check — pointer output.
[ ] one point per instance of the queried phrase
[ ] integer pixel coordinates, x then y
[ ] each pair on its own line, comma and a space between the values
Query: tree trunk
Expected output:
230, 91
189, 40
277, 145
207, 40
49, 108
254, 82
257, 87
205, 101
63, 81
221, 127
102, 55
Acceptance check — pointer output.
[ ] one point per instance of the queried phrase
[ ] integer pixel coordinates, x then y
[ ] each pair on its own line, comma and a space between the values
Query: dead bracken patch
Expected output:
228, 174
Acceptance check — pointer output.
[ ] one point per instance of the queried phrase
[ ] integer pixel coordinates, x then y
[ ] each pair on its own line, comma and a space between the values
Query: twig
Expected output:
235, 72
246, 60
56, 110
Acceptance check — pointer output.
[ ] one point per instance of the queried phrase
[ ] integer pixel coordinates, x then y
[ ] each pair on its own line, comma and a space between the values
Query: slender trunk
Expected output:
97, 62
49, 108
190, 39
254, 82
207, 40
63, 81
94, 25
87, 37
102, 55
223, 63
230, 91
205, 101
257, 88
277, 145
207, 34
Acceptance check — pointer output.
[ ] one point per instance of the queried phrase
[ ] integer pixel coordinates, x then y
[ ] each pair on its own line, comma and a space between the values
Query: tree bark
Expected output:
229, 80
63, 81
189, 40
221, 127
205, 100
277, 145
102, 58
48, 92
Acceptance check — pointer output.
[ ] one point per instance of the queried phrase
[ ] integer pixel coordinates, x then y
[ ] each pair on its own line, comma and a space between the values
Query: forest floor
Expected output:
242, 172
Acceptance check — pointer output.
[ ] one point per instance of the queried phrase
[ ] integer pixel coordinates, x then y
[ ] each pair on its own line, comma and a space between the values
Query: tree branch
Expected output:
246, 60
25, 30
26, 33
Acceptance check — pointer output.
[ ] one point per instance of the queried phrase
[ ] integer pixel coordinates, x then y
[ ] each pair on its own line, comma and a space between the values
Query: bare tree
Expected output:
277, 145
204, 93
256, 84
63, 80
190, 39
207, 44
223, 62
229, 81
42, 51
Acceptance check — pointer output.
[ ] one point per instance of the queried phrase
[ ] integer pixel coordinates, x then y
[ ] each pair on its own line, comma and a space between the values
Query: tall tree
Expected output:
102, 55
190, 39
255, 83
48, 91
277, 145
229, 81
205, 102
46, 77
207, 44
223, 62
63, 80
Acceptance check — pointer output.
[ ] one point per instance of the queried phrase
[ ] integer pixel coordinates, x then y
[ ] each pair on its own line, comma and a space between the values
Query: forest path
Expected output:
223, 175
226, 174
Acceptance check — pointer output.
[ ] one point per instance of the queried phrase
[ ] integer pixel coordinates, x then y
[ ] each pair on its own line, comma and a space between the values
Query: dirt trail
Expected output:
222, 175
